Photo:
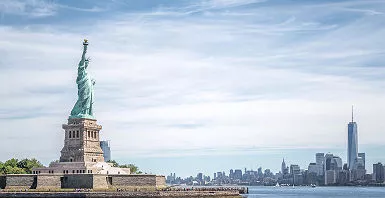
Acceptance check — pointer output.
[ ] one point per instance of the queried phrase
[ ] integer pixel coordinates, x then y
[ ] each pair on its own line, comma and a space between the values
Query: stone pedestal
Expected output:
81, 142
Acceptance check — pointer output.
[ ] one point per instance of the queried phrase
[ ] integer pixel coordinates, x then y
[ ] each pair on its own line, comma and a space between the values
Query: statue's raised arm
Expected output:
85, 45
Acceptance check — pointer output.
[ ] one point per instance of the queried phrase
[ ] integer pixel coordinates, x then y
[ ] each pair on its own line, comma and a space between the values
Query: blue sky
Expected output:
188, 86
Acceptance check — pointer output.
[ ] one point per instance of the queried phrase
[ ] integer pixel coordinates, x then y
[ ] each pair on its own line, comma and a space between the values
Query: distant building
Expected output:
200, 178
105, 145
332, 164
358, 174
360, 163
343, 177
320, 159
284, 168
295, 169
315, 168
219, 175
231, 175
330, 177
362, 157
237, 174
170, 179
378, 172
338, 163
352, 144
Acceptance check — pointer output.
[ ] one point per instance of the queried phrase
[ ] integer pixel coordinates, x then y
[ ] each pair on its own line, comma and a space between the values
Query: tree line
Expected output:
15, 166
25, 166
133, 169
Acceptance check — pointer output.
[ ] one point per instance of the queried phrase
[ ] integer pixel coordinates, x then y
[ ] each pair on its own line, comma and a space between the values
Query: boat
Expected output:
313, 185
277, 185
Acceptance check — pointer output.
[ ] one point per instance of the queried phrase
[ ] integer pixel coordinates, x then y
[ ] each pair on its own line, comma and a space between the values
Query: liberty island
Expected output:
82, 165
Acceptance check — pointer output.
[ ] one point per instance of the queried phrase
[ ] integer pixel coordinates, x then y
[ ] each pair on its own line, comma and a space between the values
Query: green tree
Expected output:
114, 163
14, 170
28, 164
11, 162
14, 166
133, 169
2, 168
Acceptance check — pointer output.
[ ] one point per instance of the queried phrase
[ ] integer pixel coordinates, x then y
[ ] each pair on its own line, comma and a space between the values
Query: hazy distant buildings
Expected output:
352, 144
315, 168
231, 175
330, 177
219, 175
237, 174
171, 179
332, 168
378, 172
295, 169
105, 145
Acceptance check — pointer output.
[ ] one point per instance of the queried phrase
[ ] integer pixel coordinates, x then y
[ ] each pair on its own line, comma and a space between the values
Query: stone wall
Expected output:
94, 181
133, 180
2, 181
100, 182
49, 181
21, 181
160, 181
77, 181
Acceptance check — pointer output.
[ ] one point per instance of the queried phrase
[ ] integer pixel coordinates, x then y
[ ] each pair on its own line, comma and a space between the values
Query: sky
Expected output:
196, 86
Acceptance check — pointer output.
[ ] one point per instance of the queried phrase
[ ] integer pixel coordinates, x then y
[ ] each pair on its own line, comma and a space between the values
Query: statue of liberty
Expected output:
84, 105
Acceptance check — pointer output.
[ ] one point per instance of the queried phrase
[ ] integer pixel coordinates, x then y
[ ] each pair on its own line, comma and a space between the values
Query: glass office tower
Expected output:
352, 144
105, 145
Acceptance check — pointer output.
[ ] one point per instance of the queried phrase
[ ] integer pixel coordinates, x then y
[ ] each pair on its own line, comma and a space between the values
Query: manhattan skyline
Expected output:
197, 86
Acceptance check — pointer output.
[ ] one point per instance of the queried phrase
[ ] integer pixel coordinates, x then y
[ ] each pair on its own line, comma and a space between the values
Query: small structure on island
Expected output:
82, 164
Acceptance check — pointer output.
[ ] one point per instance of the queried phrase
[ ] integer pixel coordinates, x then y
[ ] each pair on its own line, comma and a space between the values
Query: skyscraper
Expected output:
378, 172
320, 158
105, 145
283, 166
362, 156
295, 169
352, 144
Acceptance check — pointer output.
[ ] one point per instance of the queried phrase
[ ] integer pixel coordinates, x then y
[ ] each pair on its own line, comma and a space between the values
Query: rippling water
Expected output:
318, 192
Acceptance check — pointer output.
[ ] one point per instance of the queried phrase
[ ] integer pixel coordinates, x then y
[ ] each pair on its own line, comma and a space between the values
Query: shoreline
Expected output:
182, 194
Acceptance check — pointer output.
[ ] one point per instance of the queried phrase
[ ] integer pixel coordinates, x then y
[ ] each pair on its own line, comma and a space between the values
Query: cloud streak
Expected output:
229, 74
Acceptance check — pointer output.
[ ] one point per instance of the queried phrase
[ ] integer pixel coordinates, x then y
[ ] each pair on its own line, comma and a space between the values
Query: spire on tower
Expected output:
352, 113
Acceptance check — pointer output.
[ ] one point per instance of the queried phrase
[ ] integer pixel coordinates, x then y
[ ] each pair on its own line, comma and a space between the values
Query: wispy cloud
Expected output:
31, 8
227, 74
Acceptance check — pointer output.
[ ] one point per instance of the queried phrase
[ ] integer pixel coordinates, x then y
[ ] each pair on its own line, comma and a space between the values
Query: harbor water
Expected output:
317, 192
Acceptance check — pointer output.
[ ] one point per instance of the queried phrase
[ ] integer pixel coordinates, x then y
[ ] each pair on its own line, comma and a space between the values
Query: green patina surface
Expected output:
84, 105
